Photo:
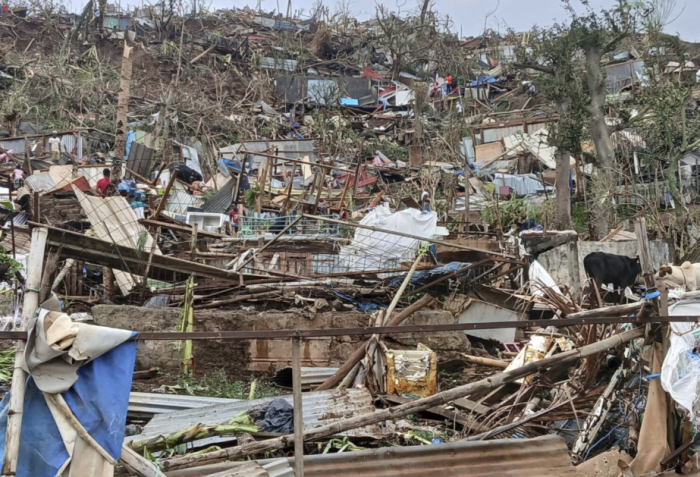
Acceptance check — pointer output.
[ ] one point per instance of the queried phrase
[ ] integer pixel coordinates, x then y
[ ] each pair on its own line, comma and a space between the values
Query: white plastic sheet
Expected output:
680, 373
371, 250
540, 279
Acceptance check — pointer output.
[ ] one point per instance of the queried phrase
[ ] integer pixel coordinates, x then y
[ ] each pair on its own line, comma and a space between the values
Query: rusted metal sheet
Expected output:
139, 160
320, 408
411, 372
542, 456
40, 182
509, 457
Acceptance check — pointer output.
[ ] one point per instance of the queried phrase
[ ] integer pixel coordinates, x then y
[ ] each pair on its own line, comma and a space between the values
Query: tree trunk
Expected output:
123, 103
424, 11
601, 140
562, 211
675, 186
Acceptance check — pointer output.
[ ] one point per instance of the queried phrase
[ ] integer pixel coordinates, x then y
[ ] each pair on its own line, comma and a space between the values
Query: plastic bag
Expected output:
680, 373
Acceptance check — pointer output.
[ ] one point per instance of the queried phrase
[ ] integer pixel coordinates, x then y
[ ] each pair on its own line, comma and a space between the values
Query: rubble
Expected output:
202, 210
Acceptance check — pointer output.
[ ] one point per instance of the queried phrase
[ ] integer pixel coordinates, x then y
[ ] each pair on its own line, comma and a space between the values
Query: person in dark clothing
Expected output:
186, 173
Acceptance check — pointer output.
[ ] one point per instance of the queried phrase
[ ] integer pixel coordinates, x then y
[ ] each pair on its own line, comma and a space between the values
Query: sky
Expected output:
470, 15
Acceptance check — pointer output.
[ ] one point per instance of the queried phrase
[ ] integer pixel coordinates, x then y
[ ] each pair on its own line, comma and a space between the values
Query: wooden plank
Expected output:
469, 405
138, 465
441, 411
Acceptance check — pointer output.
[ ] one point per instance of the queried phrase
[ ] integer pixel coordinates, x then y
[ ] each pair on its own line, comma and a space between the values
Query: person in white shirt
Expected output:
55, 146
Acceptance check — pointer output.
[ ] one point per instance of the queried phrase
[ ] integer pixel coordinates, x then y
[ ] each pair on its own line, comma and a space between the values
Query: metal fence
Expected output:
270, 225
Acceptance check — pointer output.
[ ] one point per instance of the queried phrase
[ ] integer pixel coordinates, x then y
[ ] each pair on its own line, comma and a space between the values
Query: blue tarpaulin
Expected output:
99, 399
484, 80
423, 277
366, 307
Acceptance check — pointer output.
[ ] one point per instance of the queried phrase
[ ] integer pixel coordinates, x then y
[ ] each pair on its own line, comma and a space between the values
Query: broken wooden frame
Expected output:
162, 267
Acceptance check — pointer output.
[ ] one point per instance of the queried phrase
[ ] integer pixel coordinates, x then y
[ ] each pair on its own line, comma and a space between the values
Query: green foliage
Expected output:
7, 364
141, 242
580, 217
218, 384
251, 195
389, 149
517, 211
15, 266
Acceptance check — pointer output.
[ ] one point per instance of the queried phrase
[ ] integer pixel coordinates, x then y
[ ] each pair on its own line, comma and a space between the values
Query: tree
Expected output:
405, 38
552, 54
596, 35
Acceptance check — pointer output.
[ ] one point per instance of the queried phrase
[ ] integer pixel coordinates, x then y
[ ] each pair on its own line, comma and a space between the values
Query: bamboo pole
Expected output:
66, 411
164, 200
298, 408
404, 409
19, 377
485, 361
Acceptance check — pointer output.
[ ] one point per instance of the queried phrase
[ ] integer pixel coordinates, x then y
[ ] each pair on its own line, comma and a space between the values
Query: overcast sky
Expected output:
471, 14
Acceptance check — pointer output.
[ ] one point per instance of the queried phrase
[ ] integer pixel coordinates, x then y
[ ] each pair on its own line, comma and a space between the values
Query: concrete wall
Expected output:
151, 354
565, 263
264, 355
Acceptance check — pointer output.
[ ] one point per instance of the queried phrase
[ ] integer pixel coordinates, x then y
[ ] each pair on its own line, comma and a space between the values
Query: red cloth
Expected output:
102, 186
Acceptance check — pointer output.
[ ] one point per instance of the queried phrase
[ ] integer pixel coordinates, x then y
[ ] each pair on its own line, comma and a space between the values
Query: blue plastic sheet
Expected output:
99, 400
366, 307
423, 277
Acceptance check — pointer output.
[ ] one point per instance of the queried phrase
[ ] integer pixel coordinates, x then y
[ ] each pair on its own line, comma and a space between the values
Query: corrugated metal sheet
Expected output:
139, 160
20, 219
190, 155
16, 145
287, 149
150, 404
221, 201
178, 201
309, 376
320, 408
496, 134
69, 144
278, 64
114, 221
542, 456
39, 182
39, 165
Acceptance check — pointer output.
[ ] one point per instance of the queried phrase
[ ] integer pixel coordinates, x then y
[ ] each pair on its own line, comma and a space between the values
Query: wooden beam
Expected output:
164, 199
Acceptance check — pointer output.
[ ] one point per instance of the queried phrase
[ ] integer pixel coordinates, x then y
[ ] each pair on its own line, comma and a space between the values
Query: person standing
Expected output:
19, 177
448, 81
55, 146
103, 184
